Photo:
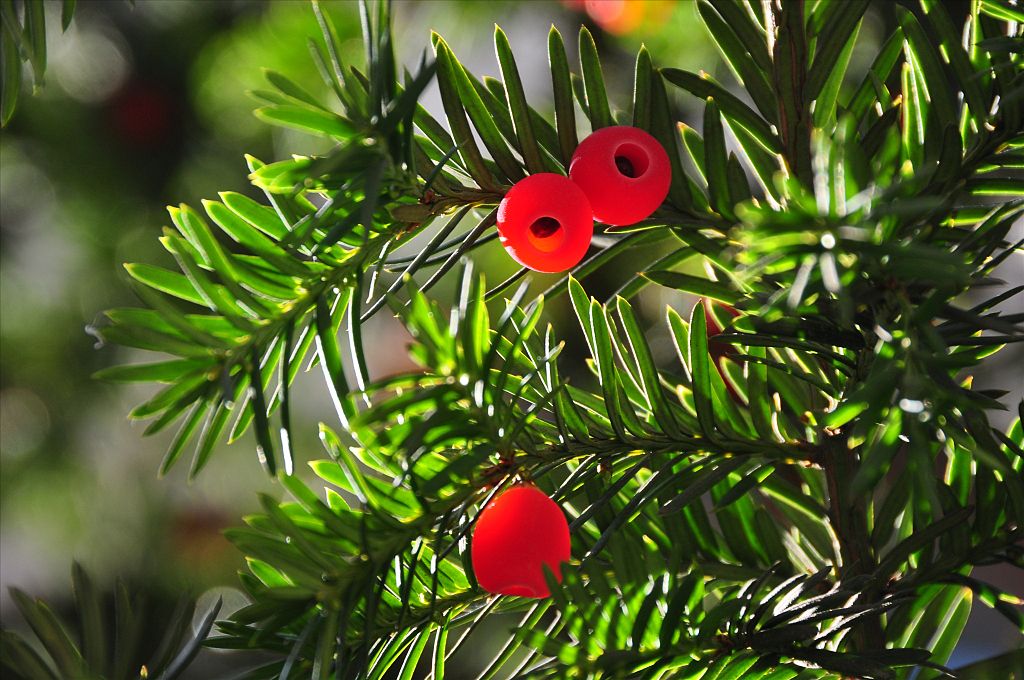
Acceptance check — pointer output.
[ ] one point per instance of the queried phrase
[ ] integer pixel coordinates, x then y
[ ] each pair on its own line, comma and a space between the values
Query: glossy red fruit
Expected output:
719, 350
545, 223
516, 534
624, 172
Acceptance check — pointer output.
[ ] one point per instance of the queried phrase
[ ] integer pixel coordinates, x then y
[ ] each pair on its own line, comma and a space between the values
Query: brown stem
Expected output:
848, 514
789, 54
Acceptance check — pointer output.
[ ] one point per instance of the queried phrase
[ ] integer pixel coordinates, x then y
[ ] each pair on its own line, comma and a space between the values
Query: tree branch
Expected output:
848, 514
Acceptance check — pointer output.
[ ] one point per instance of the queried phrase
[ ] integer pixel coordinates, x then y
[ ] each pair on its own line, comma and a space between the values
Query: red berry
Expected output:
515, 535
545, 223
716, 348
624, 172
719, 350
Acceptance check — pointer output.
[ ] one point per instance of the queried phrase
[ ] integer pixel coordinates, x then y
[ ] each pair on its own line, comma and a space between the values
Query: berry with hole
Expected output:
519, 532
545, 223
624, 172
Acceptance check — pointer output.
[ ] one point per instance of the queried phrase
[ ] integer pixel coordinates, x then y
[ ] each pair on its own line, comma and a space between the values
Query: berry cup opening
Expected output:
520, 590
546, 234
631, 161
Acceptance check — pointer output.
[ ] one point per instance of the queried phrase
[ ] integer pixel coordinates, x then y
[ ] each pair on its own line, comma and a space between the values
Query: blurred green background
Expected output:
146, 106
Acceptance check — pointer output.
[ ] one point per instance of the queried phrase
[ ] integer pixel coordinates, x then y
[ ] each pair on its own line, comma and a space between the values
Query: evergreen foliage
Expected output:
120, 647
24, 40
813, 510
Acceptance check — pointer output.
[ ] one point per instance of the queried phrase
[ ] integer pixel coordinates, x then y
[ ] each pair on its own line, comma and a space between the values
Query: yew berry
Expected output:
716, 348
624, 172
719, 350
545, 223
518, 533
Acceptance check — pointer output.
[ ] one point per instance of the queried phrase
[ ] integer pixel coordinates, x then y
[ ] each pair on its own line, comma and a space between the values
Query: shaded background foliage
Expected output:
144, 106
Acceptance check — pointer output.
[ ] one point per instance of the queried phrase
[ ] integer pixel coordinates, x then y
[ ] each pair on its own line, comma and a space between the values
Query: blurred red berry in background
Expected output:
620, 17
141, 114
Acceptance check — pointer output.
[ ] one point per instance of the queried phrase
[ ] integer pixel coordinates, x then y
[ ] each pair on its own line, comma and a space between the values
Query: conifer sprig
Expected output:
796, 510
